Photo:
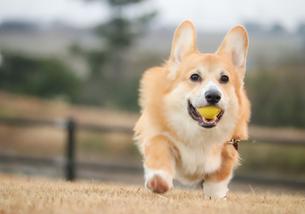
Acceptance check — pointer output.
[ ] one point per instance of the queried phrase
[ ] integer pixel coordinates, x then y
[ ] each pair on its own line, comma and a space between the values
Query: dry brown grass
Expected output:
28, 195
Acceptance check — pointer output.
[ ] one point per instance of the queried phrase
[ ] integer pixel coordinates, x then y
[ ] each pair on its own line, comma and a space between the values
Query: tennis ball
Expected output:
209, 112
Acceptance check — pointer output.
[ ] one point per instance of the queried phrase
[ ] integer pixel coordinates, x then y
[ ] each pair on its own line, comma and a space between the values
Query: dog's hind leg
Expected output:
159, 164
216, 183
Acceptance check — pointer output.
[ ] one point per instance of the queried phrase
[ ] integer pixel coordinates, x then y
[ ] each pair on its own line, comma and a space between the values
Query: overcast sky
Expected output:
207, 14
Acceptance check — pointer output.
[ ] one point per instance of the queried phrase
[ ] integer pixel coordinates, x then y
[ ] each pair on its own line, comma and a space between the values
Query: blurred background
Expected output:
69, 73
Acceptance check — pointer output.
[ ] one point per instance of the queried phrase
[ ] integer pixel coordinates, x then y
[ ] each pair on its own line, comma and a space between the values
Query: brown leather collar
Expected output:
234, 142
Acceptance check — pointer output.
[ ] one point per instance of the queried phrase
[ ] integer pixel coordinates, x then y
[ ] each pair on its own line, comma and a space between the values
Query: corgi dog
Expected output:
176, 141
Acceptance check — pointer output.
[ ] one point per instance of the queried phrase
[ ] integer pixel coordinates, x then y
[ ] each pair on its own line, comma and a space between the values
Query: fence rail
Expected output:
70, 127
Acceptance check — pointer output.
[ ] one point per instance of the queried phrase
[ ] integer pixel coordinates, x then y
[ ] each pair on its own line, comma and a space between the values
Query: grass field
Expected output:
29, 195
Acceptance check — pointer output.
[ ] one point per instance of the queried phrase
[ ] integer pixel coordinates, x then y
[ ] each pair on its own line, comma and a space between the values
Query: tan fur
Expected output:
159, 153
160, 137
229, 156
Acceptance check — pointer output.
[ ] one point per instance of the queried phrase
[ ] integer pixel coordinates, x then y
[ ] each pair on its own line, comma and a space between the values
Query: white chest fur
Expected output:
196, 160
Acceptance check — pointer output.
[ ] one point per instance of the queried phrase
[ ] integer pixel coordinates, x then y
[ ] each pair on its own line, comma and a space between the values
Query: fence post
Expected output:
70, 149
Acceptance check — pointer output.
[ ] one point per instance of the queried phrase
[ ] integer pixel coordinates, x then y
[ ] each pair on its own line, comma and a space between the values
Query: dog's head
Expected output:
197, 80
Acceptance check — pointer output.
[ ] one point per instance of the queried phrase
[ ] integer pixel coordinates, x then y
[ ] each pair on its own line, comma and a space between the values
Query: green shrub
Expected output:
277, 97
38, 76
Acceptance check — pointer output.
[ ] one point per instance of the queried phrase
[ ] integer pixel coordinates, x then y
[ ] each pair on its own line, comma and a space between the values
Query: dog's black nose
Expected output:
212, 96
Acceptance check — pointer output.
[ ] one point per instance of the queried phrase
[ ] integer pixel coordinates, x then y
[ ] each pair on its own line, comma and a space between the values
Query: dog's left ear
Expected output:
235, 47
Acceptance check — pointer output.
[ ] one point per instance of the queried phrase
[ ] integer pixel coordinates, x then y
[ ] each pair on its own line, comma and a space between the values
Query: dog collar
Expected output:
234, 142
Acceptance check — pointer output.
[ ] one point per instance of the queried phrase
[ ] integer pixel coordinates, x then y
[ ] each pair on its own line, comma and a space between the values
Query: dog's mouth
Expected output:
203, 122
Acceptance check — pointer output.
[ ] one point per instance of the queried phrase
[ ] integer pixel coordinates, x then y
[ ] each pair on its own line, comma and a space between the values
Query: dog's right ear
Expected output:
184, 42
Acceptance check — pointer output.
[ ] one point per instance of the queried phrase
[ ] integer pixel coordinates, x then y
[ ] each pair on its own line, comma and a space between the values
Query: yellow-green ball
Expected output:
209, 112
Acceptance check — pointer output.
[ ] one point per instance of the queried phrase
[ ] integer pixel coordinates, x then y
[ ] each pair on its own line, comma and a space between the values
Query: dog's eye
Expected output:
195, 77
224, 78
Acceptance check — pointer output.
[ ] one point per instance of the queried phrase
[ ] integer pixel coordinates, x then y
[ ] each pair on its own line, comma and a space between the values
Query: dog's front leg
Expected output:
159, 164
216, 183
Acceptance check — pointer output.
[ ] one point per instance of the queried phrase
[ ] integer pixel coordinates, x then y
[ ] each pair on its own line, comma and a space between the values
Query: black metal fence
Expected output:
70, 126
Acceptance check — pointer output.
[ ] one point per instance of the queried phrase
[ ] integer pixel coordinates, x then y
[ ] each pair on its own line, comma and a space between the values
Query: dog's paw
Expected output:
157, 184
215, 190
158, 181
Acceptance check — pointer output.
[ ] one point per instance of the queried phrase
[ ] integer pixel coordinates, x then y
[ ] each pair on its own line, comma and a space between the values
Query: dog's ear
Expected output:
235, 46
184, 42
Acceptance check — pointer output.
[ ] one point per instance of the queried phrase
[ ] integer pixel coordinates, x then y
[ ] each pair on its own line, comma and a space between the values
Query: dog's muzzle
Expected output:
205, 123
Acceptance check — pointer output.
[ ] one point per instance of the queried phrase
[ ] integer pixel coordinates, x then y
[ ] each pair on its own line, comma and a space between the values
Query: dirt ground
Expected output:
37, 195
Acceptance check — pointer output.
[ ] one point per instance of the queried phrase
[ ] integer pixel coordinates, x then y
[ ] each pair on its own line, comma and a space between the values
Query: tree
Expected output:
115, 36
